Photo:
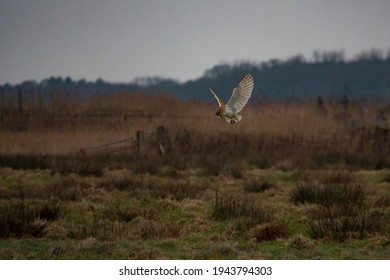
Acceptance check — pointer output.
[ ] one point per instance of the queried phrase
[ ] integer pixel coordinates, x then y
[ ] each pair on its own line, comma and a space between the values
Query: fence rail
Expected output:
145, 141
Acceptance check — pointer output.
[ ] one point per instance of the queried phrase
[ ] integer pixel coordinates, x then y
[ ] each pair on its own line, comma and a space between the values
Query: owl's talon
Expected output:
232, 121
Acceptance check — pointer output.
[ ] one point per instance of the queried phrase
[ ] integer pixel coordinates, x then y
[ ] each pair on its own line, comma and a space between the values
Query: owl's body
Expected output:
225, 112
237, 101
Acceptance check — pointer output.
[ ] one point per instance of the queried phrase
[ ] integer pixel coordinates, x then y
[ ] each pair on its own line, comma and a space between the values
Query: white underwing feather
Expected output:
241, 94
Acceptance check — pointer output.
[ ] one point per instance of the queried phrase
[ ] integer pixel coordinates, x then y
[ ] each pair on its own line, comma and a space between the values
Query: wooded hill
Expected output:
327, 74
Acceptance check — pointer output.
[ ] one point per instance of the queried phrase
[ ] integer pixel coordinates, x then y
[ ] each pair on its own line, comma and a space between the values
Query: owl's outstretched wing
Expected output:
241, 94
220, 102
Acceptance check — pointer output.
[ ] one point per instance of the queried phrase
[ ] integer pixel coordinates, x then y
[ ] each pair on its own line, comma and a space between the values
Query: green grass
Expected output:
121, 214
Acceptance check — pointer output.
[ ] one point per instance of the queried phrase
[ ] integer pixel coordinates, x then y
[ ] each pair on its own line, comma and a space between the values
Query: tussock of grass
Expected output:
237, 170
49, 210
340, 207
258, 185
135, 218
177, 190
230, 205
132, 209
332, 189
328, 194
122, 213
20, 218
156, 189
125, 183
138, 251
269, 231
150, 229
386, 178
343, 222
67, 189
37, 228
250, 216
382, 201
300, 242
100, 229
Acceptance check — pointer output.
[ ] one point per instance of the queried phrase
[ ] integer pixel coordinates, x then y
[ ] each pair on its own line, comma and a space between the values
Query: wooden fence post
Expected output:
140, 139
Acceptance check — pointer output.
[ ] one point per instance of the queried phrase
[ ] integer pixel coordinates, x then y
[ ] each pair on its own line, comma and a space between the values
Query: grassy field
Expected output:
304, 180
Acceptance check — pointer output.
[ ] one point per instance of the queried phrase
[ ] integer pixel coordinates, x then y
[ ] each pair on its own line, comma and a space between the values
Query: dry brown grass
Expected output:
124, 214
20, 218
269, 231
105, 118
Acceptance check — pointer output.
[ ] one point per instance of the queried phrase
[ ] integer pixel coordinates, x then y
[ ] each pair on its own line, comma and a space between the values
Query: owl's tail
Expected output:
237, 117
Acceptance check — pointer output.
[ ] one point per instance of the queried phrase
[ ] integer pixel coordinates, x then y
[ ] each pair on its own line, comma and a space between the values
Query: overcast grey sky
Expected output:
120, 40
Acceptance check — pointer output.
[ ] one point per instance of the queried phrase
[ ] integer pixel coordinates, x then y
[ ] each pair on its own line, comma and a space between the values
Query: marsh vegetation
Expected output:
293, 180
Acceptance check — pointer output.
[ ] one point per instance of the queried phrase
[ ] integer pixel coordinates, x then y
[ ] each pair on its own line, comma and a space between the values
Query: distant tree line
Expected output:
327, 74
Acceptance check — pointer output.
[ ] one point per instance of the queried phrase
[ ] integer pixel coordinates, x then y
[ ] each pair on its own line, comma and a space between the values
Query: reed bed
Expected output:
305, 133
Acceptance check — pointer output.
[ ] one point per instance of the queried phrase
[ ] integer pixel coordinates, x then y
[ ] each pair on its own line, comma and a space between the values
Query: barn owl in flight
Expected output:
237, 101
